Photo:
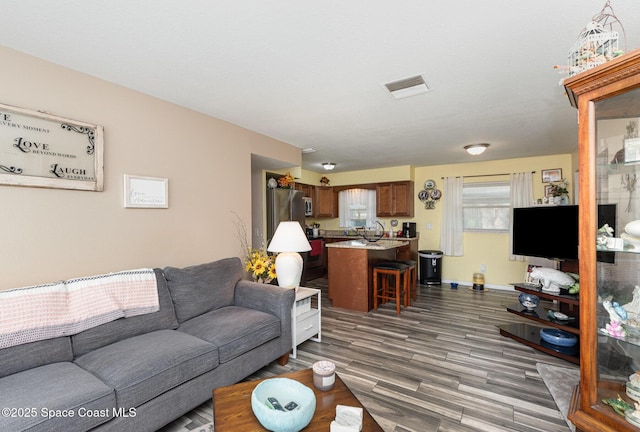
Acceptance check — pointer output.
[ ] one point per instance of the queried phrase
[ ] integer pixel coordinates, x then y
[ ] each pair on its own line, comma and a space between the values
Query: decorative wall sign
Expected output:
43, 150
146, 192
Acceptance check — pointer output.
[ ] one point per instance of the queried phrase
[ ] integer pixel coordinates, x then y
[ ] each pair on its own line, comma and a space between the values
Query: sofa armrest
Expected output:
266, 298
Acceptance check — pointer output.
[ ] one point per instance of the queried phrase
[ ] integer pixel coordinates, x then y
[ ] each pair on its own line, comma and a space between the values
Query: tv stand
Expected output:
530, 334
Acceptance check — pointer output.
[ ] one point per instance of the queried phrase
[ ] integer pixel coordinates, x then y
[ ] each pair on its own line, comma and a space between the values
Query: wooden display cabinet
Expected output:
608, 102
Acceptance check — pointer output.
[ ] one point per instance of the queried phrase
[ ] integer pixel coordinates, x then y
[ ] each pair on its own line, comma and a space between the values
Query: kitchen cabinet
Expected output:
394, 199
608, 102
408, 252
306, 189
325, 202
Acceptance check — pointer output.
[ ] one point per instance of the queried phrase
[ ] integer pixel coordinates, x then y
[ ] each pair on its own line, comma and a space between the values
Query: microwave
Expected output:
308, 206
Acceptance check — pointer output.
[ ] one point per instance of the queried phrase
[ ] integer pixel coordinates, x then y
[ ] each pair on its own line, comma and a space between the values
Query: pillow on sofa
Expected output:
201, 288
123, 328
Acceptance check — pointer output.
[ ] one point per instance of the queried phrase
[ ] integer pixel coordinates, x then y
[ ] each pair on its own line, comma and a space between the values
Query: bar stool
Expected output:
413, 274
399, 292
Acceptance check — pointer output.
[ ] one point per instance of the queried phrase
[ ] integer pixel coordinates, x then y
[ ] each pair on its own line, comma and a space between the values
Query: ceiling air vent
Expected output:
407, 87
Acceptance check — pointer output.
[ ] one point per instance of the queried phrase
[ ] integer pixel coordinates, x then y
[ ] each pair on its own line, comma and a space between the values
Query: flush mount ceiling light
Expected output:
407, 87
476, 149
328, 166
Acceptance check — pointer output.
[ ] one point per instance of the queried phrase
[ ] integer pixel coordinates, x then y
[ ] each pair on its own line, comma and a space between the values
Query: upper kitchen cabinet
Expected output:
394, 199
325, 202
306, 189
608, 102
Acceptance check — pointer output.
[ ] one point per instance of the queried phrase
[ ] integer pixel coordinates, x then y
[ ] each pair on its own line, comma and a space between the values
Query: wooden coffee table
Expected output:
232, 405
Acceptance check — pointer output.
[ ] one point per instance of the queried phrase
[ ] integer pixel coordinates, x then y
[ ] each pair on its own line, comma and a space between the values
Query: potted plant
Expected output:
559, 192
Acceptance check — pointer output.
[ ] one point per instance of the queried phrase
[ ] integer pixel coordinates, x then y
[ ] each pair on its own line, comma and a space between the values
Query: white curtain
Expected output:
356, 197
451, 235
521, 185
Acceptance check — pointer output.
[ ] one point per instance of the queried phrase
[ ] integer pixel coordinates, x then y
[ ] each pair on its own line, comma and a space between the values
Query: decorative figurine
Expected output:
551, 279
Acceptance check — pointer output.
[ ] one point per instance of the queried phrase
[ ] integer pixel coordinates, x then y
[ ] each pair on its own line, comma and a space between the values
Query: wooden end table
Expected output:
232, 405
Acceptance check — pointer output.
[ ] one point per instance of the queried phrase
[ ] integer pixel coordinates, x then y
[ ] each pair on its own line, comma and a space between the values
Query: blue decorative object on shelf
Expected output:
529, 301
558, 337
285, 390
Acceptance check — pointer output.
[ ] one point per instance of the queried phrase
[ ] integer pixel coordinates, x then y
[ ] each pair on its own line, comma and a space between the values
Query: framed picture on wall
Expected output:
145, 192
547, 190
551, 175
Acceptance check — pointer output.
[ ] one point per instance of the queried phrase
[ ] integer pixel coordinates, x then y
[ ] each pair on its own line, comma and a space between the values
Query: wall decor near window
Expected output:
430, 195
43, 150
551, 175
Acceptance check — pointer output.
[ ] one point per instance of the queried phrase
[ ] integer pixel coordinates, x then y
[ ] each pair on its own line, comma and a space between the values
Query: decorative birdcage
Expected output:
597, 43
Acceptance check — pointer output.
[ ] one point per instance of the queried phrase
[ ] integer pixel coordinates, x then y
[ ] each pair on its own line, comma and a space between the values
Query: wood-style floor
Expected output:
441, 365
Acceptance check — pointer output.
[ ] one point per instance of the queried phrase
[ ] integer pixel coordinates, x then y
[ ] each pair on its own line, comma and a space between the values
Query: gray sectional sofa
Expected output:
213, 329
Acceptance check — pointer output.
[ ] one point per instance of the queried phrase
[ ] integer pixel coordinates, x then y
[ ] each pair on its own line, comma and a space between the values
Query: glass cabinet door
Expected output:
618, 242
608, 102
617, 193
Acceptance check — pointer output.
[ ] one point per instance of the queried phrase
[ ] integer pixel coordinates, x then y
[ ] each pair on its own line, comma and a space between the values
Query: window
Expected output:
486, 206
357, 208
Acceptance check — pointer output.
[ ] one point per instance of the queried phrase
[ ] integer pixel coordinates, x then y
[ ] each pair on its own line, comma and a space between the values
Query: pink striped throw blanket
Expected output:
68, 307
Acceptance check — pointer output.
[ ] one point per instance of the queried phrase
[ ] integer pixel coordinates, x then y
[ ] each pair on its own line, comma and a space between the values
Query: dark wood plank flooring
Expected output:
441, 365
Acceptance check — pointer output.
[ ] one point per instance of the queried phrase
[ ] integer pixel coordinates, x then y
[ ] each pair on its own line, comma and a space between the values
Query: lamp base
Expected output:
289, 269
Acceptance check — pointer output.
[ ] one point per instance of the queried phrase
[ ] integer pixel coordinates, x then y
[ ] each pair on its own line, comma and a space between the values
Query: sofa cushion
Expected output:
234, 330
145, 366
30, 355
43, 390
201, 288
123, 328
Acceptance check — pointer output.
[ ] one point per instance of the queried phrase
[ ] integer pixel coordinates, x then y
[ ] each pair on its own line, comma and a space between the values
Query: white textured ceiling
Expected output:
312, 73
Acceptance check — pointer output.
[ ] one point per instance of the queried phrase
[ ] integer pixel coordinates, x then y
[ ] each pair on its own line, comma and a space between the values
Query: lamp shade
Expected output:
289, 237
288, 240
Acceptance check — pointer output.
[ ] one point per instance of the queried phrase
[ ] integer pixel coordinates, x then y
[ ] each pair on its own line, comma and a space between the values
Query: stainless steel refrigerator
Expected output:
283, 205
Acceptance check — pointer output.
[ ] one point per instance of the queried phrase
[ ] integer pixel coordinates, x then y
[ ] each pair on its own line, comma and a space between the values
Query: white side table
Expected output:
305, 318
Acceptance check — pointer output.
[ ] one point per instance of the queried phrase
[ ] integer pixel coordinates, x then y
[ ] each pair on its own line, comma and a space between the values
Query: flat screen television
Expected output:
546, 231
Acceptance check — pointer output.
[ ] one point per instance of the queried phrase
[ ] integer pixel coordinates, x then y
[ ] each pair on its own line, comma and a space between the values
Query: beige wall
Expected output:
53, 234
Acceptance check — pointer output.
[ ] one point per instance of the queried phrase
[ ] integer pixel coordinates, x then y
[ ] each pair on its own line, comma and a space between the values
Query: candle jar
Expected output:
478, 281
324, 375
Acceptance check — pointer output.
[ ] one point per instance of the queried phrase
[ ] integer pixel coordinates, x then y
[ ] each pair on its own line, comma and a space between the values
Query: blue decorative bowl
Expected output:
285, 390
529, 301
558, 337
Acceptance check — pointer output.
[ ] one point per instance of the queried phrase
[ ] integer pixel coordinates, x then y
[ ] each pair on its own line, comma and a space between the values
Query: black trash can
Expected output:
430, 267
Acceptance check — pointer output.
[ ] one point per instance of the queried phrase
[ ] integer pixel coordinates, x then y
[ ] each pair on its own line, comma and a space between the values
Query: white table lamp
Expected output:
288, 240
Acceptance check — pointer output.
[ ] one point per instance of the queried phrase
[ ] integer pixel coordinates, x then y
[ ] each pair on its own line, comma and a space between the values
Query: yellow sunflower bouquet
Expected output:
258, 262
261, 265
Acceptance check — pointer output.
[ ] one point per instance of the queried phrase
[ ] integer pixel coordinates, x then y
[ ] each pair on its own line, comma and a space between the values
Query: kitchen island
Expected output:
350, 270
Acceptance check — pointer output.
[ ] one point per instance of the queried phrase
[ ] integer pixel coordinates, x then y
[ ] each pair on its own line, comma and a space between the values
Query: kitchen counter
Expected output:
364, 244
341, 236
350, 270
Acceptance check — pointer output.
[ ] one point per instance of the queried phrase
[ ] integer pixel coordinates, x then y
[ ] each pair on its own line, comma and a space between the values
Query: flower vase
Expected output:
564, 200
